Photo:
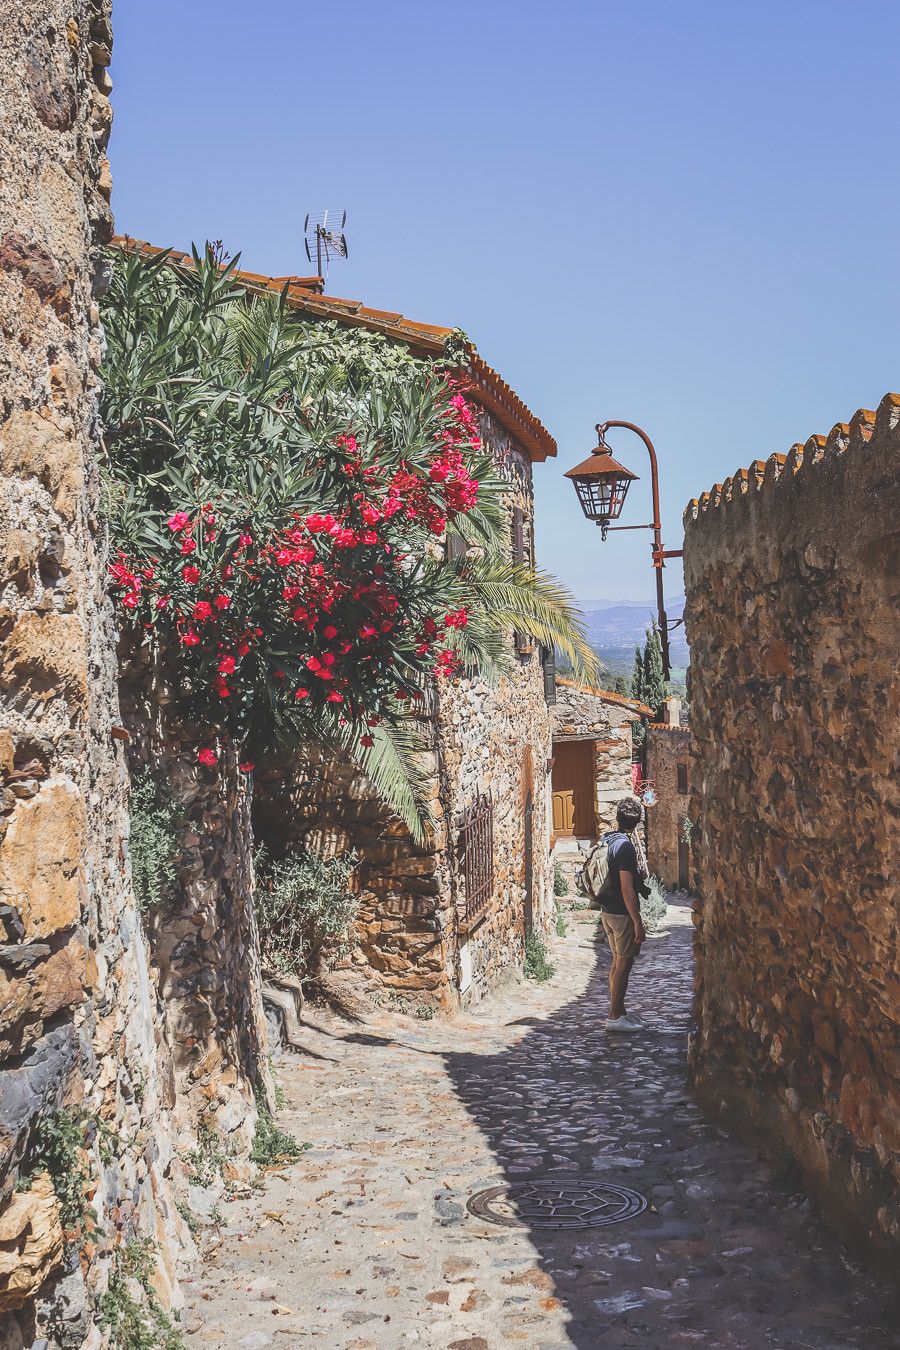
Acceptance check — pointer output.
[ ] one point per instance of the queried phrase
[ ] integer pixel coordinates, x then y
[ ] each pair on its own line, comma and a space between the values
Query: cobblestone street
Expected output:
367, 1242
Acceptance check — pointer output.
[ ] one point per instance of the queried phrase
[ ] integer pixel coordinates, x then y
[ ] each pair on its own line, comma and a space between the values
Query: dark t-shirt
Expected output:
622, 858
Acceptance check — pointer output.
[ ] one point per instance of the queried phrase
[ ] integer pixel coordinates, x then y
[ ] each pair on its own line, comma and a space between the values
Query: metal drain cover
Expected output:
557, 1203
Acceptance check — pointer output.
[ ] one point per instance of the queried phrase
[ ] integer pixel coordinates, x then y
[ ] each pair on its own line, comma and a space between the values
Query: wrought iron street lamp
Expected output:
602, 483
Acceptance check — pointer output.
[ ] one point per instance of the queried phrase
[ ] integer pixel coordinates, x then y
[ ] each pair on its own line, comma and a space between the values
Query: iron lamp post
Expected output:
602, 484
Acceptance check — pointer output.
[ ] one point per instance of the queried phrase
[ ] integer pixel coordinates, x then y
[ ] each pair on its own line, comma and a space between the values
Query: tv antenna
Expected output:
325, 239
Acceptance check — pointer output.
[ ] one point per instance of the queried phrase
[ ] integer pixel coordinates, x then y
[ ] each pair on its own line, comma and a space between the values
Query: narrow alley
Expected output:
380, 1236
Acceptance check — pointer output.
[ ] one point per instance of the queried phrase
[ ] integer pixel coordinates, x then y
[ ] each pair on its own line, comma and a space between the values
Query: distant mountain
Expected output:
616, 627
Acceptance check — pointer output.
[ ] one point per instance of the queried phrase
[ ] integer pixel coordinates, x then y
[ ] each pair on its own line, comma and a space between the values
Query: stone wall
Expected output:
203, 942
76, 1007
667, 749
482, 738
791, 570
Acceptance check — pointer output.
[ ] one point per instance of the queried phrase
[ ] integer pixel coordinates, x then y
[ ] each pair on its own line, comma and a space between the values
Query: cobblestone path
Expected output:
367, 1243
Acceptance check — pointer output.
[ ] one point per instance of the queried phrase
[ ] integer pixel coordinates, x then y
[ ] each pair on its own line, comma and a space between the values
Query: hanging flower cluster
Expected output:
325, 609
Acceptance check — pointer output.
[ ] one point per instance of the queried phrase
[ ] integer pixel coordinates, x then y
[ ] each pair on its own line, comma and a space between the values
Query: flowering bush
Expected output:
279, 493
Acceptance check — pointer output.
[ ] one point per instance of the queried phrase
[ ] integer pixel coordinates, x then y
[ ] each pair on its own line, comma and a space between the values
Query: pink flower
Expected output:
207, 756
371, 515
178, 521
188, 545
191, 574
162, 601
245, 540
130, 599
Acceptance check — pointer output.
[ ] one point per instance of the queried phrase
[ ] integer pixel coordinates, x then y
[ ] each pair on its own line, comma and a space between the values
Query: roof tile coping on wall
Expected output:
667, 726
303, 293
607, 695
762, 473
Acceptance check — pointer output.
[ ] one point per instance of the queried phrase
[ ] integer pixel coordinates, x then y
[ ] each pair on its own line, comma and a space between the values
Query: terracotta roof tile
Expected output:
304, 293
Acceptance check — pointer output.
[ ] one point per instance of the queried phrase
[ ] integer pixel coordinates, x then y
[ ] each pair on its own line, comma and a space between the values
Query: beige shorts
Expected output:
620, 933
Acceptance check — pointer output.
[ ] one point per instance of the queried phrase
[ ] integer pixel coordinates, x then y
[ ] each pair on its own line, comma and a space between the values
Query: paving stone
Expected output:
408, 1123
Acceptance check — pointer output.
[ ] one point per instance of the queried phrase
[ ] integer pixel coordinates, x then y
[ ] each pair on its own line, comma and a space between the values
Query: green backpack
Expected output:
594, 879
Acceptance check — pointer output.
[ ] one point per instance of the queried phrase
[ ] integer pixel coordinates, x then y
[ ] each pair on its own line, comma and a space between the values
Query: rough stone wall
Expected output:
583, 713
666, 748
792, 578
204, 947
76, 1008
483, 738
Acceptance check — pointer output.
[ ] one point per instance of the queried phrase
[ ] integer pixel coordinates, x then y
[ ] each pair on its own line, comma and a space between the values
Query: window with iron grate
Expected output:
548, 660
476, 846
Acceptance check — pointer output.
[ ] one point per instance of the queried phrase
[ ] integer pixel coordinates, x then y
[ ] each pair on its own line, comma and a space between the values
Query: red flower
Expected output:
457, 618
188, 545
335, 697
162, 601
130, 599
222, 601
190, 638
301, 693
368, 741
371, 515
227, 665
247, 766
245, 540
191, 574
206, 756
330, 631
314, 664
203, 610
178, 521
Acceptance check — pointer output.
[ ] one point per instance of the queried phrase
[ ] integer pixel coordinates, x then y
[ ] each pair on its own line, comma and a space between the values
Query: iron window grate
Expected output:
476, 841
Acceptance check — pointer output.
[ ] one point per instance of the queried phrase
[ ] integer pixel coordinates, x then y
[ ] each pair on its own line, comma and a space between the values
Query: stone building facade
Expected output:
77, 1011
421, 933
592, 766
791, 570
667, 763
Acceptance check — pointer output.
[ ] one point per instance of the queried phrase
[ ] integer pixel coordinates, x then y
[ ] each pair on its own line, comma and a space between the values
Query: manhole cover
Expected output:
563, 1203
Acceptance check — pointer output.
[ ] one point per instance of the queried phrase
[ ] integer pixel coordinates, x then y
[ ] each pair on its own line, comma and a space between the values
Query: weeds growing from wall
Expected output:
271, 1144
654, 905
560, 884
208, 1159
537, 965
561, 928
305, 911
155, 840
58, 1150
130, 1309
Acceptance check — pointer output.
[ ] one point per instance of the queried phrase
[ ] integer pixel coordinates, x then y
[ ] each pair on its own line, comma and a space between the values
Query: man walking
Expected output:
621, 911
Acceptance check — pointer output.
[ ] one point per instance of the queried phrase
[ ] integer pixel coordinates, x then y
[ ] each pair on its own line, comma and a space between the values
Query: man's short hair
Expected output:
628, 813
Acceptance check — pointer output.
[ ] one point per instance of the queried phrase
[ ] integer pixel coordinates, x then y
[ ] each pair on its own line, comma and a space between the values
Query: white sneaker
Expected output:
624, 1023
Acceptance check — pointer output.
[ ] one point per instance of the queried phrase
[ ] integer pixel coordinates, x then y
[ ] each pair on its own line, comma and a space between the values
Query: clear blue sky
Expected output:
684, 215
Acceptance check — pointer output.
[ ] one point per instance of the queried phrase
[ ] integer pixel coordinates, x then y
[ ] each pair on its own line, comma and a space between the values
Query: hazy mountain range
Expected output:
616, 627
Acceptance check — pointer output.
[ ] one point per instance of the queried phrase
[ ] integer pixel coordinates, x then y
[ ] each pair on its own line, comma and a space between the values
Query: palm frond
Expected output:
394, 766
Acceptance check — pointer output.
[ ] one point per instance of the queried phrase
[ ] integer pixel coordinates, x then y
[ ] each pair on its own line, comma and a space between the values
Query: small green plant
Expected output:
190, 1218
687, 829
155, 840
57, 1150
136, 1320
537, 965
271, 1144
560, 884
305, 910
561, 928
208, 1158
425, 1011
654, 905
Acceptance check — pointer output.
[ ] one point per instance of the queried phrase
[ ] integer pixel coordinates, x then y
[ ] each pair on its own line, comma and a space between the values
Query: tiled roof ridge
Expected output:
487, 385
763, 473
667, 726
609, 695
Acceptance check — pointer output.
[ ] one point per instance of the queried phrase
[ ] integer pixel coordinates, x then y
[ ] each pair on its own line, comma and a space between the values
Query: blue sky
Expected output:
683, 215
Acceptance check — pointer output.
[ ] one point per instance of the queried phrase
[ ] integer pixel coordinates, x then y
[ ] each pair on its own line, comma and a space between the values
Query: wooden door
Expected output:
573, 789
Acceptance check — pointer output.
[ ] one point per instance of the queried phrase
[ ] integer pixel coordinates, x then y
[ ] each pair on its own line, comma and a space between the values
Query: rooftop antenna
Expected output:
325, 239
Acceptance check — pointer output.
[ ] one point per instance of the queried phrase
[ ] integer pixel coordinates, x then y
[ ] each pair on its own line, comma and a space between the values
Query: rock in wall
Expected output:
792, 578
76, 1007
